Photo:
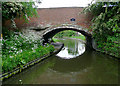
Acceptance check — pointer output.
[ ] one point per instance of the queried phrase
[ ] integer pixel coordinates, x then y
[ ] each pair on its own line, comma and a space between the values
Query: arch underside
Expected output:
51, 33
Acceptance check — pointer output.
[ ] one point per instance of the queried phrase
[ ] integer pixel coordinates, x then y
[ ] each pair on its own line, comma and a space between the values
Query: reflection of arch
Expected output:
50, 33
71, 49
74, 65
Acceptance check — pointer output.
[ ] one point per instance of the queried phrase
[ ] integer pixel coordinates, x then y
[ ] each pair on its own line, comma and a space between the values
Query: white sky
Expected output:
63, 3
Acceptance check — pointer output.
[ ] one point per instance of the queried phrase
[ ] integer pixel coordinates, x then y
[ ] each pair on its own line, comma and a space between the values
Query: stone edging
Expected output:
31, 63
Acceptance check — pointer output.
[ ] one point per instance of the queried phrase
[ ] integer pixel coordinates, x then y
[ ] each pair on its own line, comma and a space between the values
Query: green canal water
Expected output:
74, 64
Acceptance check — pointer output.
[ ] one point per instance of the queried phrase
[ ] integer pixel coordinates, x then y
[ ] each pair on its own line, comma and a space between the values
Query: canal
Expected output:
74, 64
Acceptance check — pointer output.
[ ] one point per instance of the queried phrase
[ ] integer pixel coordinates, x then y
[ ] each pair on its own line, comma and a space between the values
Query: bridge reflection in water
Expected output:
88, 68
71, 52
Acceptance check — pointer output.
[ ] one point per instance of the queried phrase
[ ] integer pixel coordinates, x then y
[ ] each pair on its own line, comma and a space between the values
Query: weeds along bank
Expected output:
18, 49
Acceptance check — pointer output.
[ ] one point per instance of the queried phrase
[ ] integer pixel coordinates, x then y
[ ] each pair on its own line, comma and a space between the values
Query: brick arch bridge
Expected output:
49, 32
53, 20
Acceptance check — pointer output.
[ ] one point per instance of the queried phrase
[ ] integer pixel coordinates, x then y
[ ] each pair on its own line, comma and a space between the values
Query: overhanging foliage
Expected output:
106, 26
12, 10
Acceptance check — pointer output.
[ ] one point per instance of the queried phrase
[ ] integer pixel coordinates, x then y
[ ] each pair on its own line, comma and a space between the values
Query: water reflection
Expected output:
89, 68
72, 49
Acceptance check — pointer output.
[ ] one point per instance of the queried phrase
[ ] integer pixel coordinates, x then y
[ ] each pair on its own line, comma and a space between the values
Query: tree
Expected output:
12, 10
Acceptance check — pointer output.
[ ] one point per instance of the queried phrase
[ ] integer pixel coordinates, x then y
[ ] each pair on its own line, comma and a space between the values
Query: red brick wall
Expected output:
56, 16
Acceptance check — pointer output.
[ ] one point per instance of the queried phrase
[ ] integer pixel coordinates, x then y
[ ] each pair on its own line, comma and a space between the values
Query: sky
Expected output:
63, 3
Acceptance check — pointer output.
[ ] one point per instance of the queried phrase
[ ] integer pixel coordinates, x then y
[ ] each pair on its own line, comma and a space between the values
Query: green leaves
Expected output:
18, 49
10, 62
106, 26
68, 33
12, 10
116, 28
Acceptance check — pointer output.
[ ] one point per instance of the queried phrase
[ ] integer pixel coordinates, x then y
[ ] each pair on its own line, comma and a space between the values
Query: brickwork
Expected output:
54, 20
54, 16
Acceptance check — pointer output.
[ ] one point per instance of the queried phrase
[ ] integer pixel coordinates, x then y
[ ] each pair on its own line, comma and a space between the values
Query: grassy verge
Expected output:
79, 37
55, 39
70, 34
76, 37
19, 49
10, 62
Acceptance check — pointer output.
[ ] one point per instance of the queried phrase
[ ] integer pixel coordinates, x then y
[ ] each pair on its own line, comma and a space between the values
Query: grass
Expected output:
19, 49
10, 62
55, 39
79, 37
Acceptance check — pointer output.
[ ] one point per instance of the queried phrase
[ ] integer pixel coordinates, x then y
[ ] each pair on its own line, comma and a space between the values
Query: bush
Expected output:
106, 26
11, 10
18, 49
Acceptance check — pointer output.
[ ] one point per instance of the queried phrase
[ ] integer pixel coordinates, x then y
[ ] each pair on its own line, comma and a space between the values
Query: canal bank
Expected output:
112, 54
94, 46
57, 46
90, 67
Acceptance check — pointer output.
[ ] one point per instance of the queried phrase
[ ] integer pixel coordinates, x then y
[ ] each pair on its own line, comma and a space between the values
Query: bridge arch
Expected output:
50, 32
